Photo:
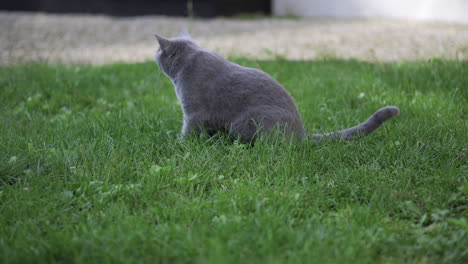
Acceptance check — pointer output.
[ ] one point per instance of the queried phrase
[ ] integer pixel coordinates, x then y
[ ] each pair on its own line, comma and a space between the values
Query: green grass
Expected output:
92, 170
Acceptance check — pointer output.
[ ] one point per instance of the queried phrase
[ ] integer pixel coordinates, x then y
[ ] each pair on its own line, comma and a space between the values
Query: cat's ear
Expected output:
163, 42
185, 34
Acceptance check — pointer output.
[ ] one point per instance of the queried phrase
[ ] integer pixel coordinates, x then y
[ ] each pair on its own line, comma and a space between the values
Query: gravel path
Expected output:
101, 39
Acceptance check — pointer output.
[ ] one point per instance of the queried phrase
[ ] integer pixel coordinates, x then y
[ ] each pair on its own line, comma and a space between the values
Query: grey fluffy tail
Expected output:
371, 124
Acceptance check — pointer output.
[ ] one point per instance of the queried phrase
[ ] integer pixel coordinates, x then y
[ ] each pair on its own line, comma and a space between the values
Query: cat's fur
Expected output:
219, 95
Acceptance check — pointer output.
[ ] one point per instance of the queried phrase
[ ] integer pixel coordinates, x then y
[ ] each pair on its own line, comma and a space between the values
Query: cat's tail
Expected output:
371, 124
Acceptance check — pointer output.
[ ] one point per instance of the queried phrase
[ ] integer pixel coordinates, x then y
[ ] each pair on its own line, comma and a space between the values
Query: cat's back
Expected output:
220, 80
206, 62
211, 64
260, 85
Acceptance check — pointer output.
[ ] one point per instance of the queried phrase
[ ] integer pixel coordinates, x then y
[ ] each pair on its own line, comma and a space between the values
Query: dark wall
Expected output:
201, 8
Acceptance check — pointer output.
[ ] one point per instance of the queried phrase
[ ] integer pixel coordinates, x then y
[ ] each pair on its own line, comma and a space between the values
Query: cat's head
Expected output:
172, 51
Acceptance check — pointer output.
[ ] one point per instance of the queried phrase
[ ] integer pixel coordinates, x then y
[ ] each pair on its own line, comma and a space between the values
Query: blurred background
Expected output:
106, 31
450, 10
201, 8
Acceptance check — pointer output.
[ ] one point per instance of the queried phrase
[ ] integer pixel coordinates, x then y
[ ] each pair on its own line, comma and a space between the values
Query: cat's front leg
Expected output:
192, 126
185, 128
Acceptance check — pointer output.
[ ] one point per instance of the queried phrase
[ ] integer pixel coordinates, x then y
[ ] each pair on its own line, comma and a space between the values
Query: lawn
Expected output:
92, 169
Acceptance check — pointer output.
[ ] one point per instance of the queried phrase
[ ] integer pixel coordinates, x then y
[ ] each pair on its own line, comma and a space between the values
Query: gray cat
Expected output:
221, 96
